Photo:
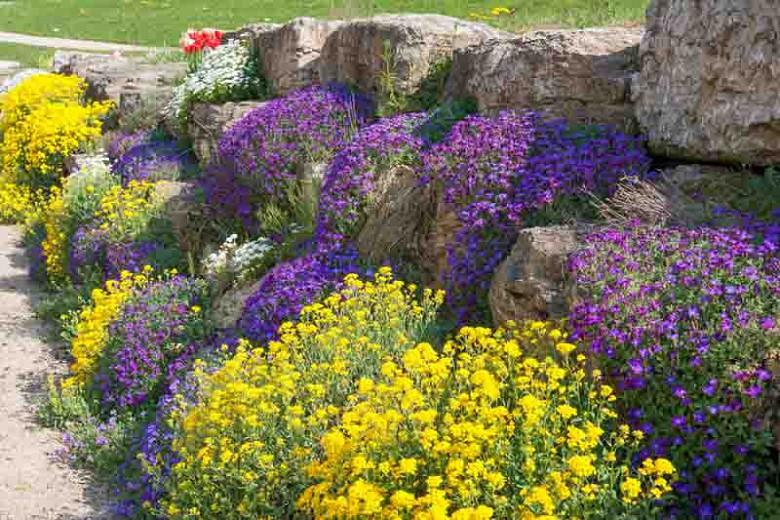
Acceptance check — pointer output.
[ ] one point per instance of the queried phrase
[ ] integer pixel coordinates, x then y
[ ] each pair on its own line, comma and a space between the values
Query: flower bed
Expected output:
686, 321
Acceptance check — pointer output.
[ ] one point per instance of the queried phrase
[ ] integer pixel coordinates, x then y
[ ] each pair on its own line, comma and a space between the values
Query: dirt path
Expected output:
67, 43
32, 485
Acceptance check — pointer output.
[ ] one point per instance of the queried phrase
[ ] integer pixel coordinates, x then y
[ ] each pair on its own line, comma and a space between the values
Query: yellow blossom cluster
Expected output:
244, 446
56, 239
17, 103
34, 150
126, 211
75, 203
91, 330
480, 430
42, 122
353, 413
17, 202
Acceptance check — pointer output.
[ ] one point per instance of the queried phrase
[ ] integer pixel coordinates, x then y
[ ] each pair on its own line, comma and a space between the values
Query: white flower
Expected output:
222, 71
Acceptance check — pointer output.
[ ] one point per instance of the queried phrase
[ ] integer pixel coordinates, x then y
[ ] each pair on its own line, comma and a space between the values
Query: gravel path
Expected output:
32, 485
67, 43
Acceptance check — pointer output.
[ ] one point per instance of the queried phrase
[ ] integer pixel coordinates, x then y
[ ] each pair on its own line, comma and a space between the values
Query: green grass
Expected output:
26, 55
160, 22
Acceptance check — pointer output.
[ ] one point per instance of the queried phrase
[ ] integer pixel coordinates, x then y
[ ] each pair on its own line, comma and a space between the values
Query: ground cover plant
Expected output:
43, 121
686, 322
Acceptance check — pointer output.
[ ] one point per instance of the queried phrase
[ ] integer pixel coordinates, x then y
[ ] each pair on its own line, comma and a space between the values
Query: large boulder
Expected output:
208, 121
398, 218
290, 54
582, 75
361, 51
709, 86
108, 76
251, 33
532, 282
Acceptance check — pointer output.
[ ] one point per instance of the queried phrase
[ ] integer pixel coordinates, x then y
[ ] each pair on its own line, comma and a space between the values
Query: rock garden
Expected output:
413, 267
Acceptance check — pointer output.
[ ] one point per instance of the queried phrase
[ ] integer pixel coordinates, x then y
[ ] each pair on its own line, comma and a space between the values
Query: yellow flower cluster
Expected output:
91, 331
245, 444
42, 122
20, 101
18, 202
33, 150
127, 211
56, 240
480, 430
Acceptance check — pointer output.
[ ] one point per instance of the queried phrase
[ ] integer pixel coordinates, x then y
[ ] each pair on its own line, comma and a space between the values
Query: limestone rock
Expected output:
290, 54
397, 219
532, 282
208, 121
108, 76
182, 207
356, 52
582, 75
250, 33
229, 306
709, 83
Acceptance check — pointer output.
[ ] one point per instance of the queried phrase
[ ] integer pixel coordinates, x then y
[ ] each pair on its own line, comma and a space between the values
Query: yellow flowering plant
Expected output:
483, 430
17, 103
90, 332
17, 203
244, 445
127, 211
33, 151
76, 203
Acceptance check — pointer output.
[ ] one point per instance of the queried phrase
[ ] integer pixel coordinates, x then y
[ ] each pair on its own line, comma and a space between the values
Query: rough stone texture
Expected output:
709, 86
250, 33
209, 121
229, 306
397, 220
183, 209
532, 282
290, 54
582, 75
355, 53
108, 76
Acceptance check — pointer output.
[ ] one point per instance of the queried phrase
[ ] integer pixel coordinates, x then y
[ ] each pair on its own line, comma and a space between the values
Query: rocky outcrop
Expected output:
407, 47
396, 223
209, 121
290, 54
532, 282
709, 87
109, 76
582, 75
229, 306
251, 33
182, 208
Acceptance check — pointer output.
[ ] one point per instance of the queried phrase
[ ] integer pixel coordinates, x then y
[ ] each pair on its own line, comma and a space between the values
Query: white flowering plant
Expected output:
226, 73
237, 263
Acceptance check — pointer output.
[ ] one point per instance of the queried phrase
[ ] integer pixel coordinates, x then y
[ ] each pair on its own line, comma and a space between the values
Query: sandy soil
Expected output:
32, 484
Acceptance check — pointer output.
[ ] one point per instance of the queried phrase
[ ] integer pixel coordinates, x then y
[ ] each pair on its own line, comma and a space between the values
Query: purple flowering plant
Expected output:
259, 156
496, 172
160, 328
149, 155
352, 174
686, 322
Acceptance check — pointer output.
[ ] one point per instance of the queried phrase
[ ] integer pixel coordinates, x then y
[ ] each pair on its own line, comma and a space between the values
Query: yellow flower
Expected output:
565, 348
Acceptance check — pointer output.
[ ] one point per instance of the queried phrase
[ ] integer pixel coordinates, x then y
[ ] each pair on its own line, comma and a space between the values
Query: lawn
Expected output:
160, 22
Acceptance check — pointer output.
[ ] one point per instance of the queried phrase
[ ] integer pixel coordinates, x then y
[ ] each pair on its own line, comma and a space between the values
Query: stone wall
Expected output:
702, 81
